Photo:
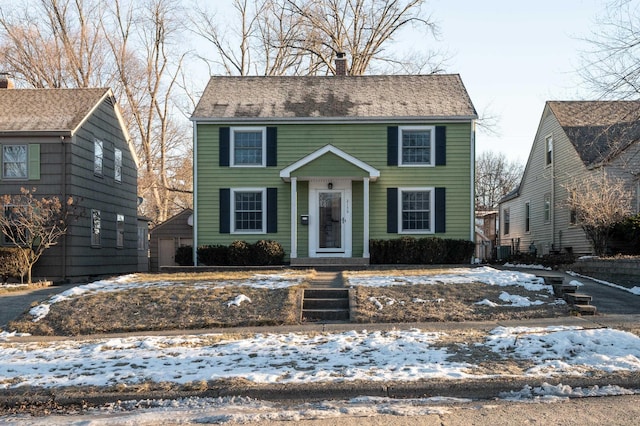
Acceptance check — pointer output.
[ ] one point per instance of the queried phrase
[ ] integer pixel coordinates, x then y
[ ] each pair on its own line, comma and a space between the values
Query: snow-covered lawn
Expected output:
294, 358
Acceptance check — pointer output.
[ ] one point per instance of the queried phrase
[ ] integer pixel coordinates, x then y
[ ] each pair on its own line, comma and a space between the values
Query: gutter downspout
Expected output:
195, 194
472, 235
552, 207
64, 203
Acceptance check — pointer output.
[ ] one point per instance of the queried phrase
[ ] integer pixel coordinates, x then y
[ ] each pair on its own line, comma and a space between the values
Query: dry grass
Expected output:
190, 305
446, 302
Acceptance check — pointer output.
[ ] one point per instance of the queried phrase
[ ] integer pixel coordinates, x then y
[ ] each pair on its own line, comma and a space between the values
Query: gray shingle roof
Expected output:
46, 110
599, 130
339, 98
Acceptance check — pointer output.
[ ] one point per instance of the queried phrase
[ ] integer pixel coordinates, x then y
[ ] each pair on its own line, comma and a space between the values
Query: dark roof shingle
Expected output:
349, 97
46, 110
599, 130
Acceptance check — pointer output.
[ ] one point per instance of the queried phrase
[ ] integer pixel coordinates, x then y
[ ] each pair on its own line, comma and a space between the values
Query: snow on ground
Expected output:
406, 355
519, 265
635, 290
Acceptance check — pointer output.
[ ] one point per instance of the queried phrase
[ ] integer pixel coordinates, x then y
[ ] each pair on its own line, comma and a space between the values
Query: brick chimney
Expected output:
341, 64
5, 81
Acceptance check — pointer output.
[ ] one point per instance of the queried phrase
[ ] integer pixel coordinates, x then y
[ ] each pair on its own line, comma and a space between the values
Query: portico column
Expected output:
294, 218
365, 227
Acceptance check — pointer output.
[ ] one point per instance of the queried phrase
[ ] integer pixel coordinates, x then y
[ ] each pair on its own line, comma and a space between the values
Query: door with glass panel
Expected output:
331, 221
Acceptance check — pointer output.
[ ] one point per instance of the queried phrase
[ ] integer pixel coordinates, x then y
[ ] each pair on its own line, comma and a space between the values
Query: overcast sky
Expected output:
513, 56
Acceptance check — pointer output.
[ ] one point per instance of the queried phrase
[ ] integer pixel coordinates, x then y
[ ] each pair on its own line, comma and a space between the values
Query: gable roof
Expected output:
599, 130
373, 173
342, 98
47, 110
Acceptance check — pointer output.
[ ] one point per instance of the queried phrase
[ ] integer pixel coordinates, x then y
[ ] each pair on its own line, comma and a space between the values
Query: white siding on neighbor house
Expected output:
539, 180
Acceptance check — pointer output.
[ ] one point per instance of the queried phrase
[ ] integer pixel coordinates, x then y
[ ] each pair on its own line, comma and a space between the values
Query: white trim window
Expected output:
548, 157
416, 210
416, 146
248, 147
98, 156
248, 210
547, 208
119, 230
96, 227
506, 221
14, 161
117, 165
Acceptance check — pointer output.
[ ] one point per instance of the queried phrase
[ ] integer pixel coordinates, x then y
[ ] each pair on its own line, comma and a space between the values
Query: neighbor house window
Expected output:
117, 165
143, 237
248, 146
416, 210
527, 217
98, 155
573, 217
120, 231
416, 147
249, 210
547, 208
506, 221
96, 227
549, 150
14, 162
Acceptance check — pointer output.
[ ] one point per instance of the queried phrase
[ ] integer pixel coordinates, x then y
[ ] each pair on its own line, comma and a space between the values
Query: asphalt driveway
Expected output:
14, 303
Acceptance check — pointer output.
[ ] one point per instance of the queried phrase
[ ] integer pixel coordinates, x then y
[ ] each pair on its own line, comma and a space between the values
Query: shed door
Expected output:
166, 252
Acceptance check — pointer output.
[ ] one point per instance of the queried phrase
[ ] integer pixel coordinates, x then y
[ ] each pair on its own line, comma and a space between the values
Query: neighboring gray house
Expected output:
165, 239
574, 139
73, 143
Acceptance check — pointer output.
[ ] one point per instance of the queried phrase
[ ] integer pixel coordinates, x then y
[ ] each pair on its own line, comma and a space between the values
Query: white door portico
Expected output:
329, 172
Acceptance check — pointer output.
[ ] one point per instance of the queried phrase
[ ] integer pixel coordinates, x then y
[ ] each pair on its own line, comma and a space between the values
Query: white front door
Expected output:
330, 219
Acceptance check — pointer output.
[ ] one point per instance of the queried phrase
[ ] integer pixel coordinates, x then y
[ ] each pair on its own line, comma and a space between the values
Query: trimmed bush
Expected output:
184, 256
213, 255
10, 262
241, 253
425, 251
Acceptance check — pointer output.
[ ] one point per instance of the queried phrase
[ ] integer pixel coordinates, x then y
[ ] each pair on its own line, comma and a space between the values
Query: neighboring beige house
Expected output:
165, 239
574, 139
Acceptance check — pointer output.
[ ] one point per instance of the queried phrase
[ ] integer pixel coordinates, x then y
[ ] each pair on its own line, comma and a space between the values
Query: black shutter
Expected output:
441, 146
224, 146
272, 146
392, 146
225, 210
272, 210
392, 210
441, 208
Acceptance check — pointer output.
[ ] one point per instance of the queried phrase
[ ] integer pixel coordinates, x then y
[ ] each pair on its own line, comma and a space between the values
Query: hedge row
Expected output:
238, 253
428, 251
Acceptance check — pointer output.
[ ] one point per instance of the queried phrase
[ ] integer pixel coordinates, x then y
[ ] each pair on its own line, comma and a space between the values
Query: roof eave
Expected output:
333, 120
37, 133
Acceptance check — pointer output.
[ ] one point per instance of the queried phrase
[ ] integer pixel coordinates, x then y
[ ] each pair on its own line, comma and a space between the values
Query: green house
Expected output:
324, 164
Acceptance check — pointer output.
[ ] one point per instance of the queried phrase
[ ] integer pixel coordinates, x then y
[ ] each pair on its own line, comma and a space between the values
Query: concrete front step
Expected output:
585, 309
325, 304
578, 298
329, 261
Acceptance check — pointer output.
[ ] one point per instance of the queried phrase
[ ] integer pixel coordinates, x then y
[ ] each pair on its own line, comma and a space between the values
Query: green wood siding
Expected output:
366, 142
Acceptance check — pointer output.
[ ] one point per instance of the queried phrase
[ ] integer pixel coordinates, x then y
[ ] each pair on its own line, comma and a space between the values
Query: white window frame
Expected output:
432, 149
506, 224
233, 229
26, 162
547, 208
548, 150
117, 165
232, 145
96, 238
527, 217
119, 230
98, 157
432, 212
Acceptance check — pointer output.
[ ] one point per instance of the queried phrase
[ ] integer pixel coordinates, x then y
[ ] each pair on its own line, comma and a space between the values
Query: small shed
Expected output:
165, 239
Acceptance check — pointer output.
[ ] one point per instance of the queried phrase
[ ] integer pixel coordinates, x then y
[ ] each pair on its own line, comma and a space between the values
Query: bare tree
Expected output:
33, 225
302, 37
496, 176
134, 47
611, 65
597, 203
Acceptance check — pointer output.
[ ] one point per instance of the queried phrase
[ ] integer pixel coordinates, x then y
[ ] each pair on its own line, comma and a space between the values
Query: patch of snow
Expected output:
518, 301
238, 300
634, 290
576, 283
525, 266
487, 302
564, 391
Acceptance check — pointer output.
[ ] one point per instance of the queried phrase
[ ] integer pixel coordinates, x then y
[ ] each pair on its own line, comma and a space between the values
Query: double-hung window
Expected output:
506, 221
248, 146
249, 212
416, 210
547, 208
119, 230
417, 146
548, 150
14, 161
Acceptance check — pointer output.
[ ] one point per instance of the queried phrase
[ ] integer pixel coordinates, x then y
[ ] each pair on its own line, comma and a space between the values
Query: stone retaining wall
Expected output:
625, 272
